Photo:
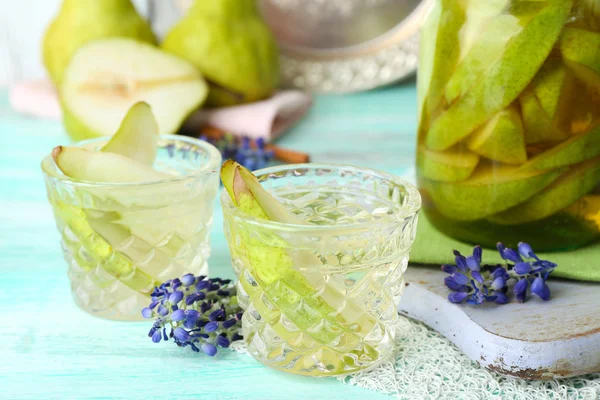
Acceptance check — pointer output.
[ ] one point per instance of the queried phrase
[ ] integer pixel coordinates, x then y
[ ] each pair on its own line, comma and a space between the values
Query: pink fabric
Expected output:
266, 119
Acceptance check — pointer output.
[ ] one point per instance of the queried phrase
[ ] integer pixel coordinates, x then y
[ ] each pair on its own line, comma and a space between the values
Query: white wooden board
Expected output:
534, 340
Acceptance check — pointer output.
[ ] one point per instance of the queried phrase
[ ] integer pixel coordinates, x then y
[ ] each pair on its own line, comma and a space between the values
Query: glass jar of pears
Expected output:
509, 121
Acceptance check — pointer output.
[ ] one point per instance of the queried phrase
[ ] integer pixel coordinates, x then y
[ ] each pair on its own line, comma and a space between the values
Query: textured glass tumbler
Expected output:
320, 299
120, 240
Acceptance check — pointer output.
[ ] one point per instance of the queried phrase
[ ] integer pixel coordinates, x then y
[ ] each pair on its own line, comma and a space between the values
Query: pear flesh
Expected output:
579, 48
538, 124
137, 137
105, 78
501, 139
500, 86
447, 166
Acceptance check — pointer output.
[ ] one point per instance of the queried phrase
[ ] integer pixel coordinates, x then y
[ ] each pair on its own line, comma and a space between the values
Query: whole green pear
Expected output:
81, 21
228, 41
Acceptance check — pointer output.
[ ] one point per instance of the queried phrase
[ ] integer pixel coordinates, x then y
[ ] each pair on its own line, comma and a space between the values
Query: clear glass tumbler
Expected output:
320, 299
120, 240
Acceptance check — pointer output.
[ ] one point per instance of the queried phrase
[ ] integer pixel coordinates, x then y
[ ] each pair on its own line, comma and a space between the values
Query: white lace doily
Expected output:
429, 366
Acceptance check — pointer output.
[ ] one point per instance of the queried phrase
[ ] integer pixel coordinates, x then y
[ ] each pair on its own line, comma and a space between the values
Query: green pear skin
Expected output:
571, 186
448, 166
81, 21
233, 48
539, 127
504, 80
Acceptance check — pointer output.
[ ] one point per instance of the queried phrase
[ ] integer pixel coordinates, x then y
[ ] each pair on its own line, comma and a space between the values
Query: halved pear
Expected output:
504, 80
137, 137
106, 77
548, 85
501, 138
99, 167
488, 191
279, 273
572, 185
447, 166
576, 149
579, 48
538, 124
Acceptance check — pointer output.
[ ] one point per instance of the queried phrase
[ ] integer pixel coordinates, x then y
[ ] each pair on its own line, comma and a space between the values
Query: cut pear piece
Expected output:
576, 149
490, 189
137, 137
504, 80
537, 123
278, 273
449, 166
485, 51
439, 51
501, 139
581, 51
106, 77
567, 189
98, 167
548, 85
588, 208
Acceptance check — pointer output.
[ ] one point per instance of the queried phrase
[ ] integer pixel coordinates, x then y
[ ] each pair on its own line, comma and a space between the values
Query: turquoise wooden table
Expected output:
49, 349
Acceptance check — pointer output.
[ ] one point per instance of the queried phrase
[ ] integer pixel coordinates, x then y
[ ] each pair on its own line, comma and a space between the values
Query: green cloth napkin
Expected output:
432, 247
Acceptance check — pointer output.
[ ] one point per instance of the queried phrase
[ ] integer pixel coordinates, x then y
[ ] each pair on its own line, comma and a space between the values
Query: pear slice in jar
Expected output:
439, 52
490, 190
447, 166
580, 49
578, 180
537, 123
549, 84
504, 80
575, 149
501, 138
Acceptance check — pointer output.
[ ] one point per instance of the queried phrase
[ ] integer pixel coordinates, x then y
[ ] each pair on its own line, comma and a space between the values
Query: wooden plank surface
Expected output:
52, 350
533, 340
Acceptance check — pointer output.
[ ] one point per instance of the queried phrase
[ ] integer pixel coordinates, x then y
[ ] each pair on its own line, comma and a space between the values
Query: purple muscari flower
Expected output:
520, 290
229, 323
511, 255
147, 312
162, 310
176, 297
477, 276
473, 264
500, 246
181, 334
498, 283
526, 250
501, 298
461, 262
211, 327
522, 268
187, 320
188, 280
477, 253
452, 285
178, 315
209, 349
457, 297
459, 278
156, 336
540, 289
449, 269
222, 341
216, 315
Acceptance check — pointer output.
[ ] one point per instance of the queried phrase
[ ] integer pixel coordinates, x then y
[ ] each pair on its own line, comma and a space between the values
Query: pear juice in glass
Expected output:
121, 240
320, 297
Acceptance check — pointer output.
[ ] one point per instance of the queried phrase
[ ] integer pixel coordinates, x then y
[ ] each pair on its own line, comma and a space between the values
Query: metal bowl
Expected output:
342, 46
